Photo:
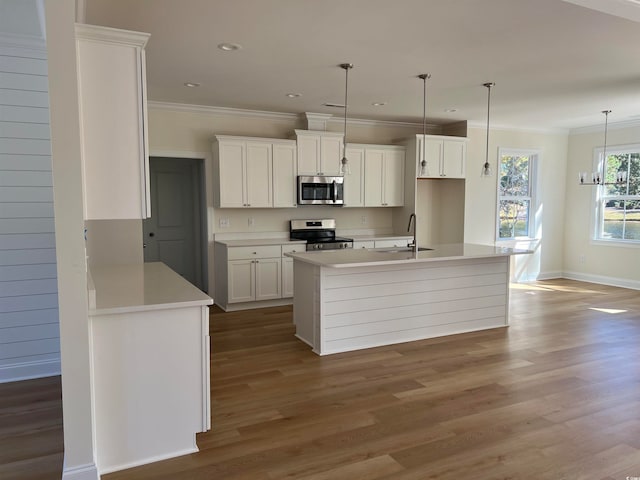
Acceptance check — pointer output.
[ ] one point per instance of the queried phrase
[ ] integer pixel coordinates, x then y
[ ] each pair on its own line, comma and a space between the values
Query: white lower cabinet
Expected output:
250, 274
364, 244
397, 242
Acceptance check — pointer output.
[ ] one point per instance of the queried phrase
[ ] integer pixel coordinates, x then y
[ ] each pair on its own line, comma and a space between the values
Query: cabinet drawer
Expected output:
259, 251
296, 247
391, 243
364, 244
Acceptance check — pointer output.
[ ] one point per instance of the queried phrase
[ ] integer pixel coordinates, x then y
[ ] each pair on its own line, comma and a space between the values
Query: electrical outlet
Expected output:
251, 222
224, 222
582, 258
363, 219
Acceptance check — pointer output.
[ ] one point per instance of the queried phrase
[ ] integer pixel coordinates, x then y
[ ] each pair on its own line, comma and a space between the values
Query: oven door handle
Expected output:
334, 191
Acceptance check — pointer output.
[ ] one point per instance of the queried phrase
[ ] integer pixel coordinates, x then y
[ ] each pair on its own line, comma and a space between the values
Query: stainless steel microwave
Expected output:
320, 190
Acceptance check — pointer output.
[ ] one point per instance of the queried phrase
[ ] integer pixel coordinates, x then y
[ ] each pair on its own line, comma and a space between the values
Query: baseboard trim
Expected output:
28, 370
234, 307
145, 461
88, 471
601, 279
549, 275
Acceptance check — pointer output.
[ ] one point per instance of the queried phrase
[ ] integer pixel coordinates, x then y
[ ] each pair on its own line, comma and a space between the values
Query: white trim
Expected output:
81, 472
616, 243
600, 129
601, 279
212, 110
111, 35
157, 458
549, 275
28, 370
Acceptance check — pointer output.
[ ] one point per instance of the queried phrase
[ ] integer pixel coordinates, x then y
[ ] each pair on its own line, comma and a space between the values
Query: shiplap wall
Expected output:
29, 329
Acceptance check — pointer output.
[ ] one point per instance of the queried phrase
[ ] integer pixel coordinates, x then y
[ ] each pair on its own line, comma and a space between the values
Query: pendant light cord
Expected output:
424, 118
487, 166
604, 150
346, 67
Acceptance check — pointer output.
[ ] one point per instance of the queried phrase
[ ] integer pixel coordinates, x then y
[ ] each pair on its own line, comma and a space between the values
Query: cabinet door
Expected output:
433, 153
112, 113
284, 175
287, 277
392, 243
308, 154
453, 159
354, 183
258, 173
232, 182
364, 244
241, 280
393, 178
330, 155
373, 182
268, 278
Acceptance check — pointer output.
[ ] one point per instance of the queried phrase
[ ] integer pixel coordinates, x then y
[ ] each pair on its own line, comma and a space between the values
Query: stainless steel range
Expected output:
320, 234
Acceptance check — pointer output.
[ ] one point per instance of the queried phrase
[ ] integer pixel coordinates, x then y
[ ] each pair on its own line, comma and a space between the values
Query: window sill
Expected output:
615, 243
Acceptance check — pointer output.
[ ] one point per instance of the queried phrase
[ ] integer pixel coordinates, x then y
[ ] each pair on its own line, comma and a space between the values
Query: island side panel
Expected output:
306, 303
148, 382
365, 307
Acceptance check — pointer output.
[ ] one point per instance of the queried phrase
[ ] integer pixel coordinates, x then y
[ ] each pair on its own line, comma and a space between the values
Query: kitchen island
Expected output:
352, 299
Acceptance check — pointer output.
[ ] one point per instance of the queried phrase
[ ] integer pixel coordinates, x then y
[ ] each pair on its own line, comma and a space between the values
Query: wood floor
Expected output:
554, 396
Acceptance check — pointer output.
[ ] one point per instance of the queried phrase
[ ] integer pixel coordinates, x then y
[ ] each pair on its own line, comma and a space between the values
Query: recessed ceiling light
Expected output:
294, 95
379, 104
229, 47
450, 110
334, 105
191, 84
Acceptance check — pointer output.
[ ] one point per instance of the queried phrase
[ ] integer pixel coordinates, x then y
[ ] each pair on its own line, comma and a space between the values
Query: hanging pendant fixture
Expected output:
424, 166
486, 168
598, 177
345, 169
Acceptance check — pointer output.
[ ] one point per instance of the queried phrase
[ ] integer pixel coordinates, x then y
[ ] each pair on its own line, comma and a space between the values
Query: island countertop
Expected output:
389, 256
140, 287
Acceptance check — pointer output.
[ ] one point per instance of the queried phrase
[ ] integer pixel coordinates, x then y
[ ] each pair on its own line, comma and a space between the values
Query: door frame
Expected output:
205, 171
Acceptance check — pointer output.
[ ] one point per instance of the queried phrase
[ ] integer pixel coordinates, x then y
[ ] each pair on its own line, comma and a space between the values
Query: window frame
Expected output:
534, 155
597, 216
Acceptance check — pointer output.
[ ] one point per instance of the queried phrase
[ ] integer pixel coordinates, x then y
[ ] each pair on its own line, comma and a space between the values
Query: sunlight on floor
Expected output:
532, 287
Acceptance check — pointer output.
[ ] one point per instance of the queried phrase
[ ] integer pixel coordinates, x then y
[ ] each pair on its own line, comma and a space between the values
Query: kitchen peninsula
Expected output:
352, 299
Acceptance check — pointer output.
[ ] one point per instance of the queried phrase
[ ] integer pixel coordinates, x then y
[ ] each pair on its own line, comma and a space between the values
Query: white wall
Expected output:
29, 333
79, 461
481, 197
611, 264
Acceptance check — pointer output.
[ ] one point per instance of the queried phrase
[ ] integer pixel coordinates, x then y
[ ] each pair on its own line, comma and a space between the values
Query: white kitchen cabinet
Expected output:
284, 174
254, 172
384, 176
113, 116
446, 156
396, 242
354, 183
319, 153
253, 276
364, 244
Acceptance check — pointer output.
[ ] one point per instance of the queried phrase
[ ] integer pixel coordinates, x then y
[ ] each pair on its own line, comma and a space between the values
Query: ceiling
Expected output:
556, 64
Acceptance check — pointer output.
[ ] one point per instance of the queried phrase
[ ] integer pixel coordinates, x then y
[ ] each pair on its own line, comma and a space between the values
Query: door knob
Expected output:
152, 234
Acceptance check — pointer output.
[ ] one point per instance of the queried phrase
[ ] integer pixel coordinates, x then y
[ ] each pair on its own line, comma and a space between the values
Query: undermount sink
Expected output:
401, 250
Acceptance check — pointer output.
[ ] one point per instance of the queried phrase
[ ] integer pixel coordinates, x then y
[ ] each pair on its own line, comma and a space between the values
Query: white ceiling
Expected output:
556, 63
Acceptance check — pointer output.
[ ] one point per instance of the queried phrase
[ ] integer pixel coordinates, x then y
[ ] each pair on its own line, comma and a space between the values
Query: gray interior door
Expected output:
172, 234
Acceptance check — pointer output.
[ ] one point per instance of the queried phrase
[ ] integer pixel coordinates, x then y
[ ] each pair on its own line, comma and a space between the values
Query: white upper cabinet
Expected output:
446, 156
113, 116
384, 176
319, 153
354, 183
284, 175
254, 172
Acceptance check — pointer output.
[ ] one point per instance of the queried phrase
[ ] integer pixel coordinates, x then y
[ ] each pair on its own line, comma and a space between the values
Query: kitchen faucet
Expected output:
414, 245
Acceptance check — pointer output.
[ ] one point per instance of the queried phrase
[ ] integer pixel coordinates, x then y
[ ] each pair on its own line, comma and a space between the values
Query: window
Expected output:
516, 180
618, 205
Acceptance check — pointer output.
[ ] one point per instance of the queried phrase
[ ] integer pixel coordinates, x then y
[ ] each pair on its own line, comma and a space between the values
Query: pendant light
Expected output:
345, 169
599, 178
424, 166
486, 168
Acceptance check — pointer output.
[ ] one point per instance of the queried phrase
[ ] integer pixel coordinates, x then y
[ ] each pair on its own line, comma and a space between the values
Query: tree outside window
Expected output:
515, 194
619, 204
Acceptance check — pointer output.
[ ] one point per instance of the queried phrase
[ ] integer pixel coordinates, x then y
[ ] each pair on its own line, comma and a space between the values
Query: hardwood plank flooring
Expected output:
554, 396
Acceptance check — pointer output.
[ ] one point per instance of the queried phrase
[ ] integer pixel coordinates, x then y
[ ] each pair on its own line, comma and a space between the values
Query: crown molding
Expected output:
16, 40
113, 35
600, 128
238, 112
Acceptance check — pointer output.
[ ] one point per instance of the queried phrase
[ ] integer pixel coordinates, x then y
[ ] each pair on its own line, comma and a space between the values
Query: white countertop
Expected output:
254, 242
142, 287
387, 256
